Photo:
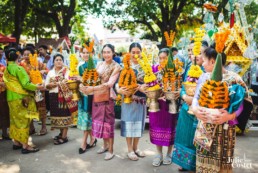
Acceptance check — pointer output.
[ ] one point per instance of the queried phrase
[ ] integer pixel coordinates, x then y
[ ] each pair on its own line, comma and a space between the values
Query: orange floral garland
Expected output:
34, 60
169, 38
127, 77
35, 75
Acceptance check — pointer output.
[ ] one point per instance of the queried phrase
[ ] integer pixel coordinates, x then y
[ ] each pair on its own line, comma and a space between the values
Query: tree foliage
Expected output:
157, 16
32, 17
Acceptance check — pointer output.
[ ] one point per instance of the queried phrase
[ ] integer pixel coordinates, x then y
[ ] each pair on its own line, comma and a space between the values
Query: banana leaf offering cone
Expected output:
214, 93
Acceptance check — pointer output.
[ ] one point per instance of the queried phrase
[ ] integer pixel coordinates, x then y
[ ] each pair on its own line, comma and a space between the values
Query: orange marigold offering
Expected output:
90, 75
172, 74
35, 75
220, 39
214, 93
127, 78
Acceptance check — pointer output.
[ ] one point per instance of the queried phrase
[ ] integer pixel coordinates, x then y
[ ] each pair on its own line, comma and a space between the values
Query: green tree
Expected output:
251, 12
60, 11
157, 16
37, 15
13, 14
7, 17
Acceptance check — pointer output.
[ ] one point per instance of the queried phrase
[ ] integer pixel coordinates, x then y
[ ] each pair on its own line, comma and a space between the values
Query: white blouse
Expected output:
51, 75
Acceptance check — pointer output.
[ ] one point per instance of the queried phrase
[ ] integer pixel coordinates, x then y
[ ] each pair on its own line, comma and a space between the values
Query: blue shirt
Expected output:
48, 63
117, 59
3, 60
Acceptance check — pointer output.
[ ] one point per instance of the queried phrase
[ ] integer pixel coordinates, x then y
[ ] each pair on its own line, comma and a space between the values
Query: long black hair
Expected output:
135, 45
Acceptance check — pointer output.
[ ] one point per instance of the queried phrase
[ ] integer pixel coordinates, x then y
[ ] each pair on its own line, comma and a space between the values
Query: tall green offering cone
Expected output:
170, 64
217, 71
90, 63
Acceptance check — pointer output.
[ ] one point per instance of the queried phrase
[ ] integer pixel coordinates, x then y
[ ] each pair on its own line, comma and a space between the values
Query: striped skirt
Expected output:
103, 119
133, 119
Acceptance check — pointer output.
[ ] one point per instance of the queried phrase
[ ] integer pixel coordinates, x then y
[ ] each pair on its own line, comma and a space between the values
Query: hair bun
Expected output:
11, 54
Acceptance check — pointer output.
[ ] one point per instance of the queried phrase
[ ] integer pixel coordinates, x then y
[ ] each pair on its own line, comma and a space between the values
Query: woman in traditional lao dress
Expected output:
220, 156
162, 123
21, 102
133, 115
103, 113
85, 110
60, 98
41, 105
184, 152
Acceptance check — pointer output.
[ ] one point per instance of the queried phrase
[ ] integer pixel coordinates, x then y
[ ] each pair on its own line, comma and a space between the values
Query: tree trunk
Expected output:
64, 31
21, 8
166, 27
64, 28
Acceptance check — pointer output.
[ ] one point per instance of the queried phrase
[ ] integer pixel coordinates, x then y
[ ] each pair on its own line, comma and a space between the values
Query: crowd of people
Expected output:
96, 114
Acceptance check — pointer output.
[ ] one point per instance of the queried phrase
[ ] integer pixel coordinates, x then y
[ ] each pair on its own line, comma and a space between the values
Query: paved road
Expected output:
65, 158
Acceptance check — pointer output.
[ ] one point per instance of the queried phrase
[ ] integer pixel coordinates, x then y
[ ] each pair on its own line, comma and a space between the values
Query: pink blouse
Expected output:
108, 74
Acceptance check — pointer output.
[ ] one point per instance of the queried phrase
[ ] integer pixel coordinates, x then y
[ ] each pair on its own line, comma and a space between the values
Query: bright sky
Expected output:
95, 26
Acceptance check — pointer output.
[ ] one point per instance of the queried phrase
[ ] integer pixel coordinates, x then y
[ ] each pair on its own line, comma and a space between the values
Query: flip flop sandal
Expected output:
27, 151
157, 161
139, 153
102, 150
109, 156
132, 156
167, 160
61, 141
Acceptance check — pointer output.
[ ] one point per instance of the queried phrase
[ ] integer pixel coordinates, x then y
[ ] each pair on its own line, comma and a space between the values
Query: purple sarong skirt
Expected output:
103, 119
162, 126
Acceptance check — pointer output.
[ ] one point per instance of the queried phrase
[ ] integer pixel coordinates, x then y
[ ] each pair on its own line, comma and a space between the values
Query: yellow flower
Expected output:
195, 71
